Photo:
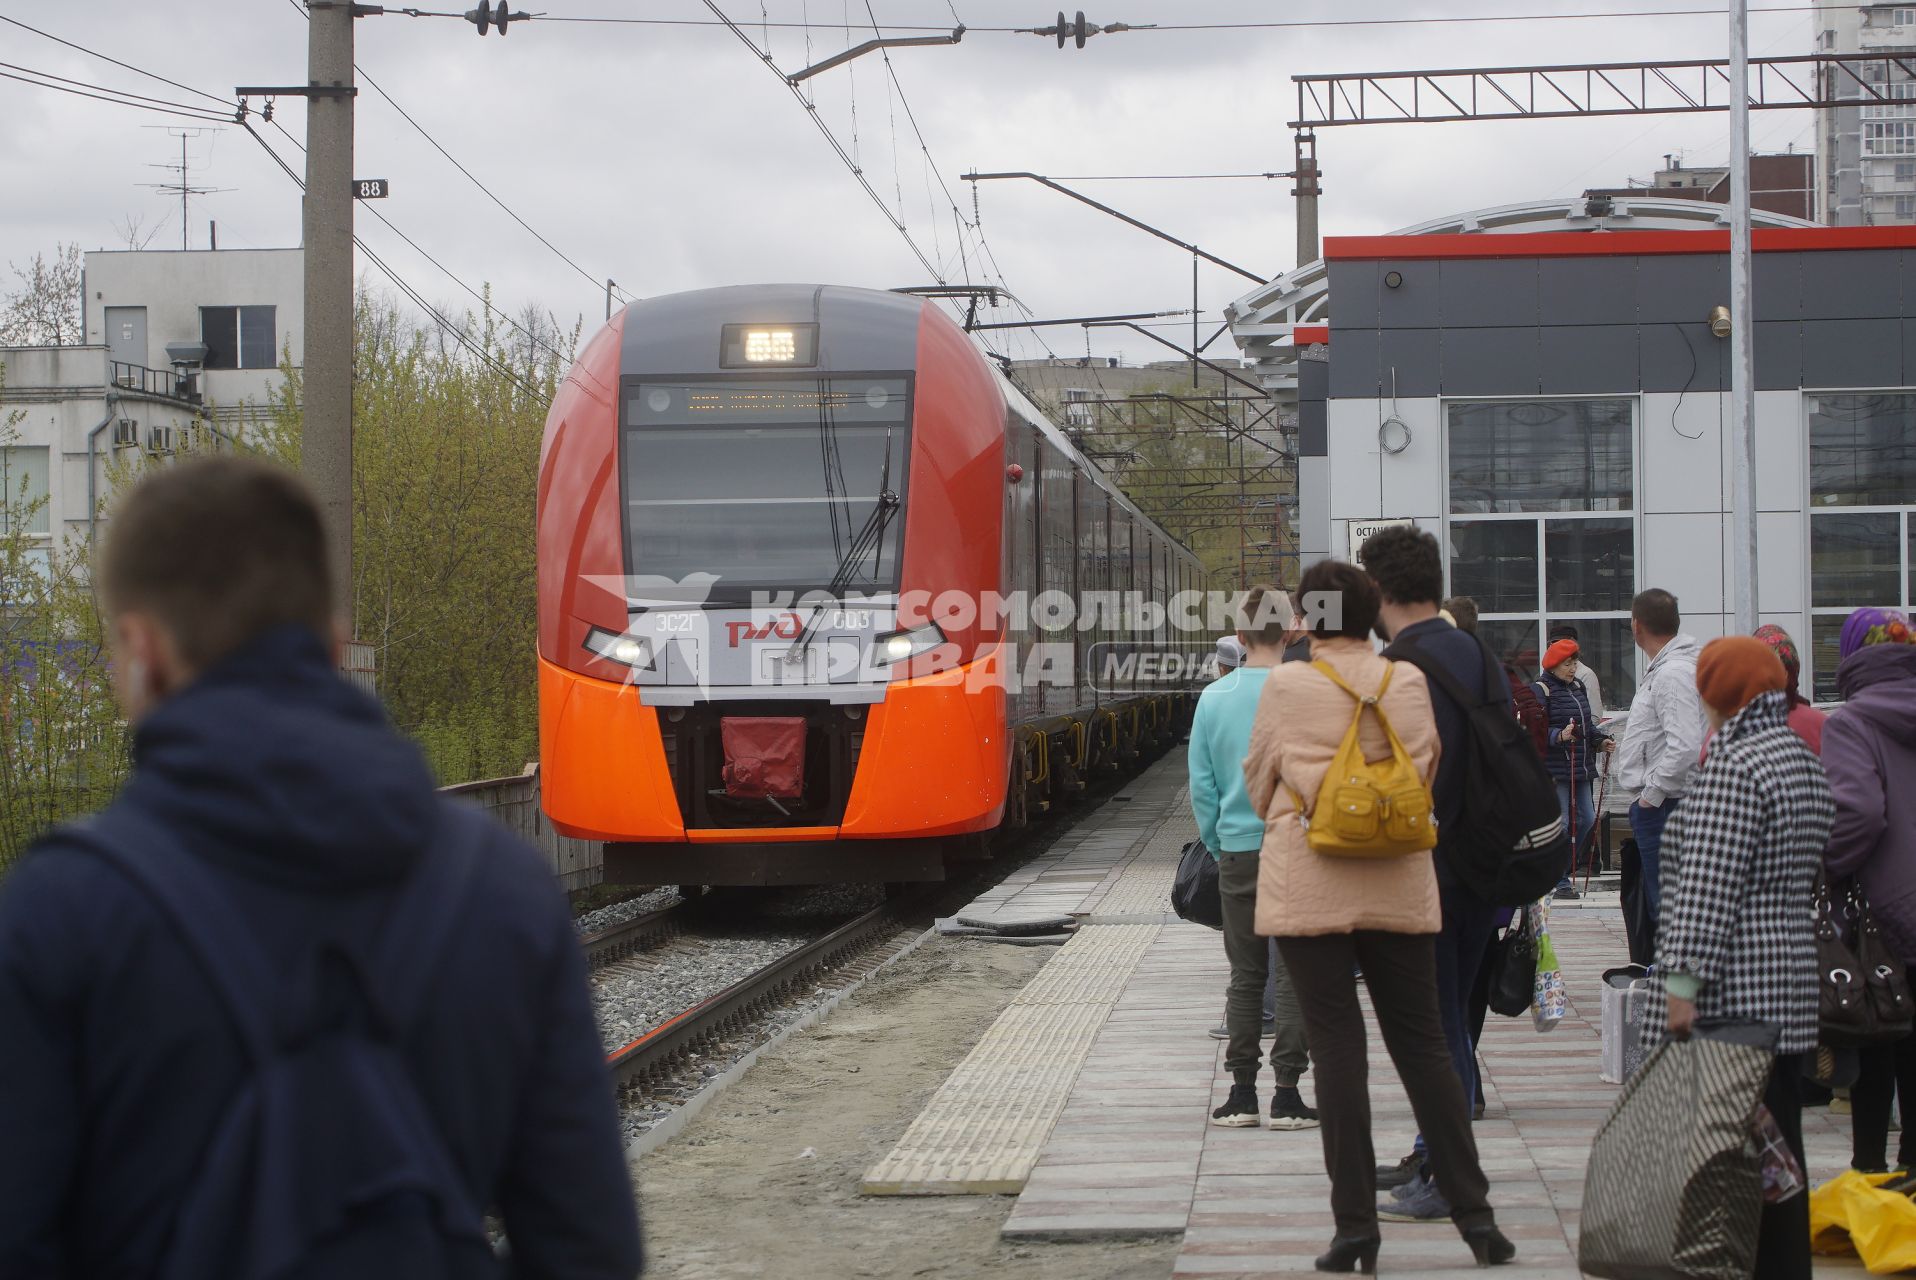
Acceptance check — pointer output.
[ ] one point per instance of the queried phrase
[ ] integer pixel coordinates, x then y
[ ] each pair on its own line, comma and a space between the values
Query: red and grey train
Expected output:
756, 508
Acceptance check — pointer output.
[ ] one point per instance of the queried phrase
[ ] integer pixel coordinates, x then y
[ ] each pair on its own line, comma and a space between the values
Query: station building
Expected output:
1545, 389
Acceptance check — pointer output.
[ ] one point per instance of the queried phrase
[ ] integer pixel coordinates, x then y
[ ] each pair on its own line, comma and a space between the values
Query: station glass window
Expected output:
239, 337
1862, 515
1540, 528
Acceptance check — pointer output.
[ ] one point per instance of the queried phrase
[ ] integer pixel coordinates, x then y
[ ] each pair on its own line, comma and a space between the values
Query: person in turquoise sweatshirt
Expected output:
1234, 833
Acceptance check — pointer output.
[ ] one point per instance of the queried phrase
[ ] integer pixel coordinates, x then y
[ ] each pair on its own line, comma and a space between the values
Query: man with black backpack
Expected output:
281, 1010
1484, 750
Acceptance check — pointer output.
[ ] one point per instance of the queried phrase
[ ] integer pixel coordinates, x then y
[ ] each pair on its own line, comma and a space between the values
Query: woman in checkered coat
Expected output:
1736, 941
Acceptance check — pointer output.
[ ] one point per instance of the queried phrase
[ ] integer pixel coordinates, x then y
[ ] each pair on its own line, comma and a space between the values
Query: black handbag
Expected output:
1195, 895
1863, 990
1513, 969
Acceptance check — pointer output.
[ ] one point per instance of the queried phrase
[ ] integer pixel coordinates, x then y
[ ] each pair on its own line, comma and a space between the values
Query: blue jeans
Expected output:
1647, 826
1582, 823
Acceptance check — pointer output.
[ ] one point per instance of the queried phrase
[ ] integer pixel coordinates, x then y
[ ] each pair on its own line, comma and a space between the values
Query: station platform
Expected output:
1089, 1099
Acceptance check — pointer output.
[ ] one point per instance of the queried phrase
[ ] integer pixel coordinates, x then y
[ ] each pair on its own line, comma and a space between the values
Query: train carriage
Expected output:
762, 512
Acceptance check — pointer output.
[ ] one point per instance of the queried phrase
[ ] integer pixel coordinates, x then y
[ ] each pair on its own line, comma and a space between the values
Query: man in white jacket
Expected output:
1665, 734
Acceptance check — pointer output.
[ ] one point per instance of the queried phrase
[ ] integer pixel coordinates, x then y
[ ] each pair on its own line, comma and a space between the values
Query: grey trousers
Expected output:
1252, 965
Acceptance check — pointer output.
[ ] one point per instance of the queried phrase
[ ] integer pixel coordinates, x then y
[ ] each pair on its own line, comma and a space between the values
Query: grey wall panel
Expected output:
1779, 355
1777, 281
1849, 284
1415, 355
1909, 354
1354, 287
1313, 433
1667, 362
1600, 290
1313, 379
1353, 364
1681, 287
1596, 359
1489, 292
1413, 304
1852, 353
1491, 362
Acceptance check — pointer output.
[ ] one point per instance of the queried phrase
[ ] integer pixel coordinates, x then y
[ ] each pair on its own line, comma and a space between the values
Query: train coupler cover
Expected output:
764, 757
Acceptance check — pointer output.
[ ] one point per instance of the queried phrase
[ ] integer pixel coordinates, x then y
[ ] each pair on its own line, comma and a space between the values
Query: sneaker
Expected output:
1427, 1205
1839, 1105
1476, 1111
1414, 1187
1239, 1110
1410, 1168
1567, 892
1223, 1032
1289, 1112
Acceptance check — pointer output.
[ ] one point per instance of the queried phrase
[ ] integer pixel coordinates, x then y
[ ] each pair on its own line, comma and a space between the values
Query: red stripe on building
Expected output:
1580, 244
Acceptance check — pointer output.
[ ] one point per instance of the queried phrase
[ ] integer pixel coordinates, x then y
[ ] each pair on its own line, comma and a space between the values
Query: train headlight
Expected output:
903, 646
626, 650
771, 346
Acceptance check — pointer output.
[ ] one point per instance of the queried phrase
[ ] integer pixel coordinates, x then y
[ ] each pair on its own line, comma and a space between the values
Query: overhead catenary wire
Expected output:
101, 93
456, 332
449, 273
1280, 25
597, 282
127, 66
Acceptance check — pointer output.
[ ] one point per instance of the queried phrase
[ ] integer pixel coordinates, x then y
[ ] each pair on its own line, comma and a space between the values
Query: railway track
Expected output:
665, 1047
632, 936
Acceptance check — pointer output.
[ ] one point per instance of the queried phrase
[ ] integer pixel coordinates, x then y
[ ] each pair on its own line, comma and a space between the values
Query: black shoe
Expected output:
1489, 1245
1350, 1253
1567, 892
1396, 1175
1240, 1110
1289, 1112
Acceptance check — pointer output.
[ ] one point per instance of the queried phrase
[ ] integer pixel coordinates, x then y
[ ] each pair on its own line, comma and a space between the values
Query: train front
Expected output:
761, 512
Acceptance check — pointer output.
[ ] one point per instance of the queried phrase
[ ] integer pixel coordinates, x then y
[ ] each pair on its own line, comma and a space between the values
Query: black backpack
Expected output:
1508, 844
326, 1160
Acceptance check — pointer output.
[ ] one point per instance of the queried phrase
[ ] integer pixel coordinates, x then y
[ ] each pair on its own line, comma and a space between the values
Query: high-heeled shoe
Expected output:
1350, 1253
1491, 1247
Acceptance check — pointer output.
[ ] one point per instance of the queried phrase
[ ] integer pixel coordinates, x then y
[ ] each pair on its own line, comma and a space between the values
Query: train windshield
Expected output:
765, 484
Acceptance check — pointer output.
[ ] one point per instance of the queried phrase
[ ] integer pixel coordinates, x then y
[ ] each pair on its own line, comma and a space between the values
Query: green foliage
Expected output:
446, 457
63, 747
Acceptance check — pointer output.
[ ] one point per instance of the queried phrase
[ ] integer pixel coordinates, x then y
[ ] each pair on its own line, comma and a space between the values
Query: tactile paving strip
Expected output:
981, 1133
1144, 886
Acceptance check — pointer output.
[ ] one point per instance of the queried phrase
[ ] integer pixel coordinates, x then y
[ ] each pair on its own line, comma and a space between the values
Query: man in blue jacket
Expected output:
1233, 831
287, 822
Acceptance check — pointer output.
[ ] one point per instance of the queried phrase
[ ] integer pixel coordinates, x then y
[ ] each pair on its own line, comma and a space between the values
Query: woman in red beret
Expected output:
1575, 743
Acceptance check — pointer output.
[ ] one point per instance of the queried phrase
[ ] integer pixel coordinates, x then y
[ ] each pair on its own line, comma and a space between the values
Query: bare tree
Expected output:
133, 231
46, 309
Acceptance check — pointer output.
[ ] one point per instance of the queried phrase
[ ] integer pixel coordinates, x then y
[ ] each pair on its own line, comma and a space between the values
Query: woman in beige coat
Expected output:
1331, 915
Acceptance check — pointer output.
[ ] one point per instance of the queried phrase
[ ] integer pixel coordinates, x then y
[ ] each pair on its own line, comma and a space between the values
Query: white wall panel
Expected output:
1683, 554
1682, 455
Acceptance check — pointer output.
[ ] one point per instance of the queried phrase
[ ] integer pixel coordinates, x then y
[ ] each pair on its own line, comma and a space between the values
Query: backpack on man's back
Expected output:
326, 1160
1508, 844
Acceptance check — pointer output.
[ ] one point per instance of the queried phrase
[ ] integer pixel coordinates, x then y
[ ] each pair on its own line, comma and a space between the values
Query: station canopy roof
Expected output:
1264, 321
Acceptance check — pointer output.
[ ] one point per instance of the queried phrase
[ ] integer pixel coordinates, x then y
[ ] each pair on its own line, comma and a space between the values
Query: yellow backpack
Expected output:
1367, 810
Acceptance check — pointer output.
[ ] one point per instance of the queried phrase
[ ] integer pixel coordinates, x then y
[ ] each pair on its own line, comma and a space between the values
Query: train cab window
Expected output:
768, 485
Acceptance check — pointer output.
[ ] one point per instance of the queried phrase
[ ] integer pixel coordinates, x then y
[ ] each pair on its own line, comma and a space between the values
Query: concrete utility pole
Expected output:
327, 446
1307, 190
1742, 331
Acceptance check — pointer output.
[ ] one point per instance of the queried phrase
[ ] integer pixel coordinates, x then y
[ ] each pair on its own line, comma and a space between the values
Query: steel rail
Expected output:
622, 940
658, 1047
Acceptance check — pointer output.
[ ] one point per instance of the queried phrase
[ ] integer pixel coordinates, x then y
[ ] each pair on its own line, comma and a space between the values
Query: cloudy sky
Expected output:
668, 157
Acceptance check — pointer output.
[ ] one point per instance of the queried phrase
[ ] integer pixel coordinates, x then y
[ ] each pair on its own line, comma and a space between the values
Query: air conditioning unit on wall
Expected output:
126, 433
159, 438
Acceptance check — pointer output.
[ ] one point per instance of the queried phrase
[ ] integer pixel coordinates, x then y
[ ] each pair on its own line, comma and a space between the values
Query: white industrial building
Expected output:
182, 348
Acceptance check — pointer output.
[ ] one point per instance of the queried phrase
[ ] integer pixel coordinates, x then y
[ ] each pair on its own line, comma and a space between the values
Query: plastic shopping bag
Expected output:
1551, 1000
1782, 1174
1882, 1227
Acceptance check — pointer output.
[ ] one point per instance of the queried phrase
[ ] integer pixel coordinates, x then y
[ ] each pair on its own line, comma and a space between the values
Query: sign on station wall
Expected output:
1362, 529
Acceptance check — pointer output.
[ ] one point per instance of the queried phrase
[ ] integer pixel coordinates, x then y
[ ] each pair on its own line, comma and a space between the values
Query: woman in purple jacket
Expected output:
1869, 751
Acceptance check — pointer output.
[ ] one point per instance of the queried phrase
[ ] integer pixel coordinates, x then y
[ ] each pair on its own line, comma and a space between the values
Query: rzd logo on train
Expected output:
786, 627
